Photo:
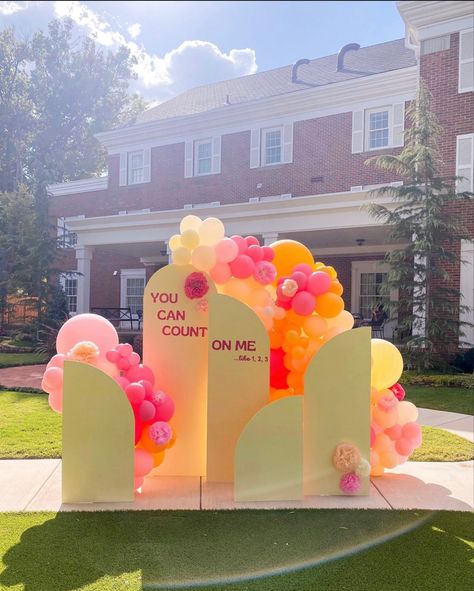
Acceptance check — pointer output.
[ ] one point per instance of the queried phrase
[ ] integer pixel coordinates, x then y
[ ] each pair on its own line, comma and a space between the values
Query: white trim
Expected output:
463, 62
126, 274
134, 211
80, 186
425, 19
462, 167
71, 275
466, 287
297, 106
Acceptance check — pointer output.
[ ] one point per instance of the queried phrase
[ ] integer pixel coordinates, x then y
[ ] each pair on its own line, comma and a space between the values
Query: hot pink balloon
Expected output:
146, 411
57, 361
255, 252
55, 401
148, 388
122, 382
241, 243
143, 462
268, 253
53, 378
135, 393
140, 372
226, 250
243, 267
134, 358
303, 268
252, 241
220, 273
87, 327
300, 278
138, 429
303, 303
123, 363
124, 349
113, 356
318, 283
164, 406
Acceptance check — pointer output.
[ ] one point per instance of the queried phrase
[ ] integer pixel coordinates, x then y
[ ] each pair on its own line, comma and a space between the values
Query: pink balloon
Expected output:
220, 273
55, 401
87, 327
122, 382
241, 243
255, 252
243, 267
318, 283
135, 393
372, 434
53, 378
268, 253
140, 372
303, 268
164, 406
146, 411
300, 279
226, 250
124, 349
134, 359
113, 356
411, 430
143, 462
137, 482
252, 241
138, 430
123, 363
264, 272
57, 361
148, 388
404, 446
303, 303
394, 432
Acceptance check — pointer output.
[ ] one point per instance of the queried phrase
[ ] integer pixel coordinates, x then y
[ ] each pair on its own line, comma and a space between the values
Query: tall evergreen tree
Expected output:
424, 219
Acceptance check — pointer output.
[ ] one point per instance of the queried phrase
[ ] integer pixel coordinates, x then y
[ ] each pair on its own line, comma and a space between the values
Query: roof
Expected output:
367, 61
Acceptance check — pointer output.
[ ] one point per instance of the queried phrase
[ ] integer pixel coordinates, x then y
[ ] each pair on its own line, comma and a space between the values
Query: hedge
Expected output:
438, 380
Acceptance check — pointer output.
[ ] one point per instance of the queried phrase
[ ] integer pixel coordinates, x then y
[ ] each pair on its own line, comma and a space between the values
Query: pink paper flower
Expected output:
349, 483
264, 273
289, 287
160, 433
196, 286
202, 305
84, 351
346, 457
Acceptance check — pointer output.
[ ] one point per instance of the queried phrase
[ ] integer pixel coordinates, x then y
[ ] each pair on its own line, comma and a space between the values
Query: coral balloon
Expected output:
288, 254
329, 304
87, 327
203, 257
57, 361
181, 256
55, 401
387, 364
226, 250
210, 231
190, 222
52, 379
143, 462
190, 239
220, 273
242, 267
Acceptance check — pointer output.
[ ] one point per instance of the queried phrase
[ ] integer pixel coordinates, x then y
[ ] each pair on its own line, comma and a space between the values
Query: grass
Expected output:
450, 399
28, 427
299, 550
441, 446
16, 359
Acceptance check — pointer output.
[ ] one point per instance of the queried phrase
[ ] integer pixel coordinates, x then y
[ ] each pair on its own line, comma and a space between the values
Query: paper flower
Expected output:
349, 483
346, 457
289, 287
84, 351
160, 433
196, 286
202, 305
264, 273
363, 468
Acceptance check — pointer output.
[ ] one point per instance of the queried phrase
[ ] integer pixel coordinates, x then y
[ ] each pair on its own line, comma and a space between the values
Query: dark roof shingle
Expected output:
366, 61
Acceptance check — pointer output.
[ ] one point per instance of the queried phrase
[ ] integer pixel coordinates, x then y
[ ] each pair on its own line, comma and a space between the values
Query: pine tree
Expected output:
424, 221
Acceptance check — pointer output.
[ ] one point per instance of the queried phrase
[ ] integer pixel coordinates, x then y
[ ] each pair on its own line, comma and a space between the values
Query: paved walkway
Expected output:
23, 376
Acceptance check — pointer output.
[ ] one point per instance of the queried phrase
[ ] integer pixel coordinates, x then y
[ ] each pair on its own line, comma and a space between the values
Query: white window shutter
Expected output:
123, 169
287, 143
466, 61
357, 132
146, 165
398, 124
254, 148
216, 154
188, 159
465, 162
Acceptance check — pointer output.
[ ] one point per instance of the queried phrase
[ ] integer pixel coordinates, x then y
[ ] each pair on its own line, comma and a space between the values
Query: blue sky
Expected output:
184, 44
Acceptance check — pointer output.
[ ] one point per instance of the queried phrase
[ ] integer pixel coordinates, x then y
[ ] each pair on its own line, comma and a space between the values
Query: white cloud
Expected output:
8, 8
191, 64
134, 30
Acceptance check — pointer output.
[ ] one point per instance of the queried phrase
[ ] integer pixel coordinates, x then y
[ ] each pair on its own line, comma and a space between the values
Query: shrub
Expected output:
441, 380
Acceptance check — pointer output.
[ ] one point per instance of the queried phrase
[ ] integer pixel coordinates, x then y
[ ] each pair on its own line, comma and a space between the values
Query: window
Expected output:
466, 60
370, 297
377, 132
66, 238
69, 284
203, 157
135, 167
132, 287
465, 162
271, 146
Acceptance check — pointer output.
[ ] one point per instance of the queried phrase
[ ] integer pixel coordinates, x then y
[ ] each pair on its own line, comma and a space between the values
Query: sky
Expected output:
180, 45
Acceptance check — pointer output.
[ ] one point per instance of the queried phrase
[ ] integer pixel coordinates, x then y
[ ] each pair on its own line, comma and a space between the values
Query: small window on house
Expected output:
377, 132
466, 60
69, 284
271, 146
135, 167
203, 157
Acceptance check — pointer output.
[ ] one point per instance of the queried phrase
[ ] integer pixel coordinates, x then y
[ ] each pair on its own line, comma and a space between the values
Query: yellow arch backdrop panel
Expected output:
239, 375
336, 409
179, 362
98, 437
269, 454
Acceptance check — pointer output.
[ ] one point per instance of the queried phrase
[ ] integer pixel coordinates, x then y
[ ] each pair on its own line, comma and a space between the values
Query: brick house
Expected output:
278, 154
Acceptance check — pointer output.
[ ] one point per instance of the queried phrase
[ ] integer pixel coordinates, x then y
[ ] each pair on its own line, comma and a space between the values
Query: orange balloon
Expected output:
329, 304
276, 339
288, 254
277, 394
158, 458
336, 287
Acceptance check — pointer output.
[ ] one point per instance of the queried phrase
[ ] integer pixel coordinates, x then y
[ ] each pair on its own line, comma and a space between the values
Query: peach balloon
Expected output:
343, 320
52, 379
220, 273
407, 412
226, 250
57, 361
203, 258
55, 401
315, 326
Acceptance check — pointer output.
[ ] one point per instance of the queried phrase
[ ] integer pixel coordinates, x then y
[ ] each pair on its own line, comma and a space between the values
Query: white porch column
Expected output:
83, 257
466, 288
168, 252
269, 238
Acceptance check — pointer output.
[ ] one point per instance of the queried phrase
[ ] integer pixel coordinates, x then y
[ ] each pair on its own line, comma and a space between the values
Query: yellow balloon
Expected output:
203, 258
289, 253
190, 239
190, 222
387, 364
210, 231
181, 256
175, 242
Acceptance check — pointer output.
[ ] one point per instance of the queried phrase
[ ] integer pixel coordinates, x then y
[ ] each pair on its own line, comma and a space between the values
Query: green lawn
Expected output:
15, 359
441, 446
298, 550
450, 399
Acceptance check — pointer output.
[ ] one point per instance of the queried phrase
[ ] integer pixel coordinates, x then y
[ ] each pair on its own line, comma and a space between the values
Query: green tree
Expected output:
424, 219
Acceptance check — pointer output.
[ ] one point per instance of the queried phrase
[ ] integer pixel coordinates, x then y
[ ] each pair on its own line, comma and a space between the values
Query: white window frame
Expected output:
367, 130
459, 166
63, 277
66, 238
461, 62
198, 143
130, 170
126, 274
263, 154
